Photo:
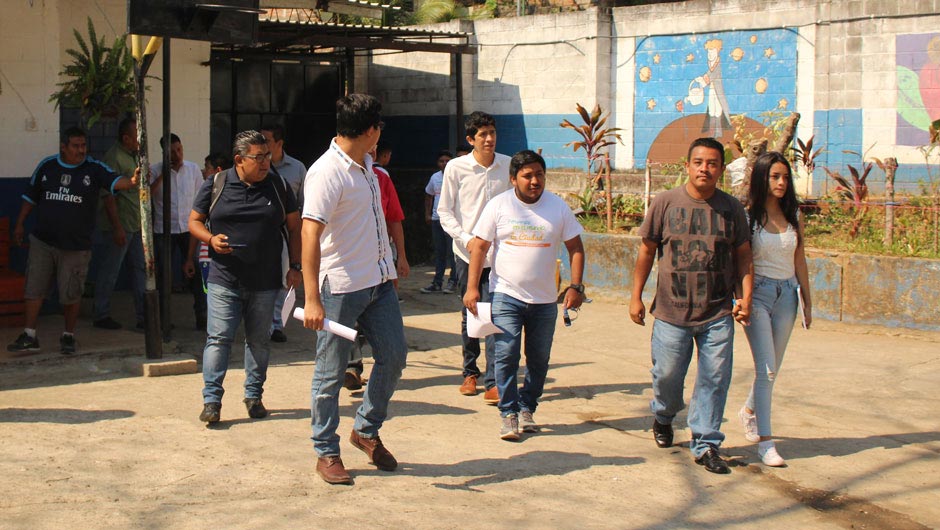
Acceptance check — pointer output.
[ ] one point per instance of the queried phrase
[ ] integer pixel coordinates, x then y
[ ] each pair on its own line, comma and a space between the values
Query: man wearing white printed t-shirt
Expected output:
348, 272
524, 225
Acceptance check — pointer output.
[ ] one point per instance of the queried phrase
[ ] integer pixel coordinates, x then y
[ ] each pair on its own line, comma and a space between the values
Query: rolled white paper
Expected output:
333, 327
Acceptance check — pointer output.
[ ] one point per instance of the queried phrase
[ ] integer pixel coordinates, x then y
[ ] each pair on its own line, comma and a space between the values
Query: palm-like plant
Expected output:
856, 192
101, 80
594, 137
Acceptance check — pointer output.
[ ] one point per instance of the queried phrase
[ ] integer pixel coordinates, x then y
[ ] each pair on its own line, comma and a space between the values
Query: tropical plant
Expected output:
594, 138
102, 78
435, 11
804, 155
855, 192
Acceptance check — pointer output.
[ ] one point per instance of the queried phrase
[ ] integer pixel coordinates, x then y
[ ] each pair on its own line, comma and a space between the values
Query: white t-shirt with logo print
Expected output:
525, 241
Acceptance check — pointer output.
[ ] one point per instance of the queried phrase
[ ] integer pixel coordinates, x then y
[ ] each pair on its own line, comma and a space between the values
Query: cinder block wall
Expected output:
837, 63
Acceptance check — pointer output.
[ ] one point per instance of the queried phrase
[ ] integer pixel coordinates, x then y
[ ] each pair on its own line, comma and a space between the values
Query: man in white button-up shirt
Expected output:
348, 272
185, 180
470, 181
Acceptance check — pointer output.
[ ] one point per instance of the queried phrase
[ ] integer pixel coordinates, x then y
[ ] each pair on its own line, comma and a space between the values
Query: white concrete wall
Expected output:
33, 40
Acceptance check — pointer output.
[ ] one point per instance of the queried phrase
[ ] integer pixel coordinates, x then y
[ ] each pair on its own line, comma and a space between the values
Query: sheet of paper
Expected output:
288, 308
333, 327
799, 298
481, 325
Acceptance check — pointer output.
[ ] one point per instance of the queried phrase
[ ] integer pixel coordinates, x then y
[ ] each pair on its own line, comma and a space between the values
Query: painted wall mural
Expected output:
691, 86
918, 66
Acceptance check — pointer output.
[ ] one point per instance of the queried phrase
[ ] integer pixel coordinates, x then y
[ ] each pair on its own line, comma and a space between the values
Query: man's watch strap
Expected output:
579, 287
296, 267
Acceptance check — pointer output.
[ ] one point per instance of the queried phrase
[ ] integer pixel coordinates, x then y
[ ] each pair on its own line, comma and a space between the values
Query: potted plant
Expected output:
101, 80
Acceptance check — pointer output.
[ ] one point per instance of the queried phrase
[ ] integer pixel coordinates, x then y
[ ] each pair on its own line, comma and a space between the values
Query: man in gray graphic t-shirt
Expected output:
701, 237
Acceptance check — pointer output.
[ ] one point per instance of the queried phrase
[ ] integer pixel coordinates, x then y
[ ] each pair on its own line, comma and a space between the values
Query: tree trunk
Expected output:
891, 166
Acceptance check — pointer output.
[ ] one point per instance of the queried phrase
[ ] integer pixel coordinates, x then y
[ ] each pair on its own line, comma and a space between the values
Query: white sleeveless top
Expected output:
774, 253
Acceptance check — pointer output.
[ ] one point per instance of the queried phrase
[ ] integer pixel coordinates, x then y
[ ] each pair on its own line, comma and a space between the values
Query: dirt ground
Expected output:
87, 445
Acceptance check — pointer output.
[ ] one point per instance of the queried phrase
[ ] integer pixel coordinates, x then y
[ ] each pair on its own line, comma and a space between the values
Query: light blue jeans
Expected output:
110, 258
378, 313
226, 309
513, 317
672, 353
772, 319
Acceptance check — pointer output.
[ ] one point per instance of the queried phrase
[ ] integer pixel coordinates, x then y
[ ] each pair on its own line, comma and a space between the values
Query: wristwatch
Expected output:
296, 267
579, 287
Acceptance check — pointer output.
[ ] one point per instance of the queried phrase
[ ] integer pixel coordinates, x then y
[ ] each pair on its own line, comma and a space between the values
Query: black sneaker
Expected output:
67, 344
255, 408
24, 343
107, 323
278, 336
211, 412
713, 462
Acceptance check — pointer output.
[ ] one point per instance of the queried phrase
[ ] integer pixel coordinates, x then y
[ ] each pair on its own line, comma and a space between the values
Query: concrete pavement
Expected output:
88, 445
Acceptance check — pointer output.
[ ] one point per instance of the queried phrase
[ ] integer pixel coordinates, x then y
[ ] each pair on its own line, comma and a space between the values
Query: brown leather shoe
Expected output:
469, 386
491, 396
376, 451
332, 470
352, 381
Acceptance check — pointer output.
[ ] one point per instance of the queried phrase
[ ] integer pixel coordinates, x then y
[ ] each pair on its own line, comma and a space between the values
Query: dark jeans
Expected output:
471, 346
180, 242
443, 254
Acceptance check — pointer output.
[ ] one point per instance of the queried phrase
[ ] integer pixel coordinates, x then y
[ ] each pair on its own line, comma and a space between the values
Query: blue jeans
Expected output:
443, 253
110, 258
278, 306
378, 313
772, 319
672, 353
227, 307
514, 316
471, 346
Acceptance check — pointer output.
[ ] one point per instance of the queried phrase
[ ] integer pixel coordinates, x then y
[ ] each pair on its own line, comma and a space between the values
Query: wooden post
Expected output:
891, 167
152, 338
607, 192
786, 136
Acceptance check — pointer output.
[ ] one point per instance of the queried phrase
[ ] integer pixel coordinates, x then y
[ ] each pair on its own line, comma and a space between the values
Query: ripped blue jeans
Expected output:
772, 319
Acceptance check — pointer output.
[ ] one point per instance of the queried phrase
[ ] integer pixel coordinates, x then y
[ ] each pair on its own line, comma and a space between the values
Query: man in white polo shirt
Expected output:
470, 181
348, 273
525, 226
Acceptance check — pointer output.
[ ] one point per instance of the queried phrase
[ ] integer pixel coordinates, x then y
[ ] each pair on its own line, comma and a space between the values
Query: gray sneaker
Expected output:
527, 422
433, 288
510, 429
451, 287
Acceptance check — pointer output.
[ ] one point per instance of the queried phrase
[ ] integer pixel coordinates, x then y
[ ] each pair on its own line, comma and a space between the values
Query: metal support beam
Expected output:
166, 283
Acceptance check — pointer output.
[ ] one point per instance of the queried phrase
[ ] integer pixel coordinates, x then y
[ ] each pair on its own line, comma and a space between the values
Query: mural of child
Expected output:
717, 115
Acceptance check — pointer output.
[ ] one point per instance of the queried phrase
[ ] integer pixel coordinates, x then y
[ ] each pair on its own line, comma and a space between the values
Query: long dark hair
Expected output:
760, 188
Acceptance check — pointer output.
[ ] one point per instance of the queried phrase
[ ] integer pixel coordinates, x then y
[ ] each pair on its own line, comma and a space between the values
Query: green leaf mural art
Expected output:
910, 103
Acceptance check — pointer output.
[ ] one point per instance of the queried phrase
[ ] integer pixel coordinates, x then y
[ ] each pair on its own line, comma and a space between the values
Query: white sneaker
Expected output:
749, 420
769, 455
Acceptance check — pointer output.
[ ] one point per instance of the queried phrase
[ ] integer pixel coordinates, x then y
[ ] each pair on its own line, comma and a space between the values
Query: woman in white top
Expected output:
779, 268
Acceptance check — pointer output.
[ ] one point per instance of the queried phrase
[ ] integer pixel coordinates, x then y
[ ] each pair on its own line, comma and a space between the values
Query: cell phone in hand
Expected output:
238, 245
